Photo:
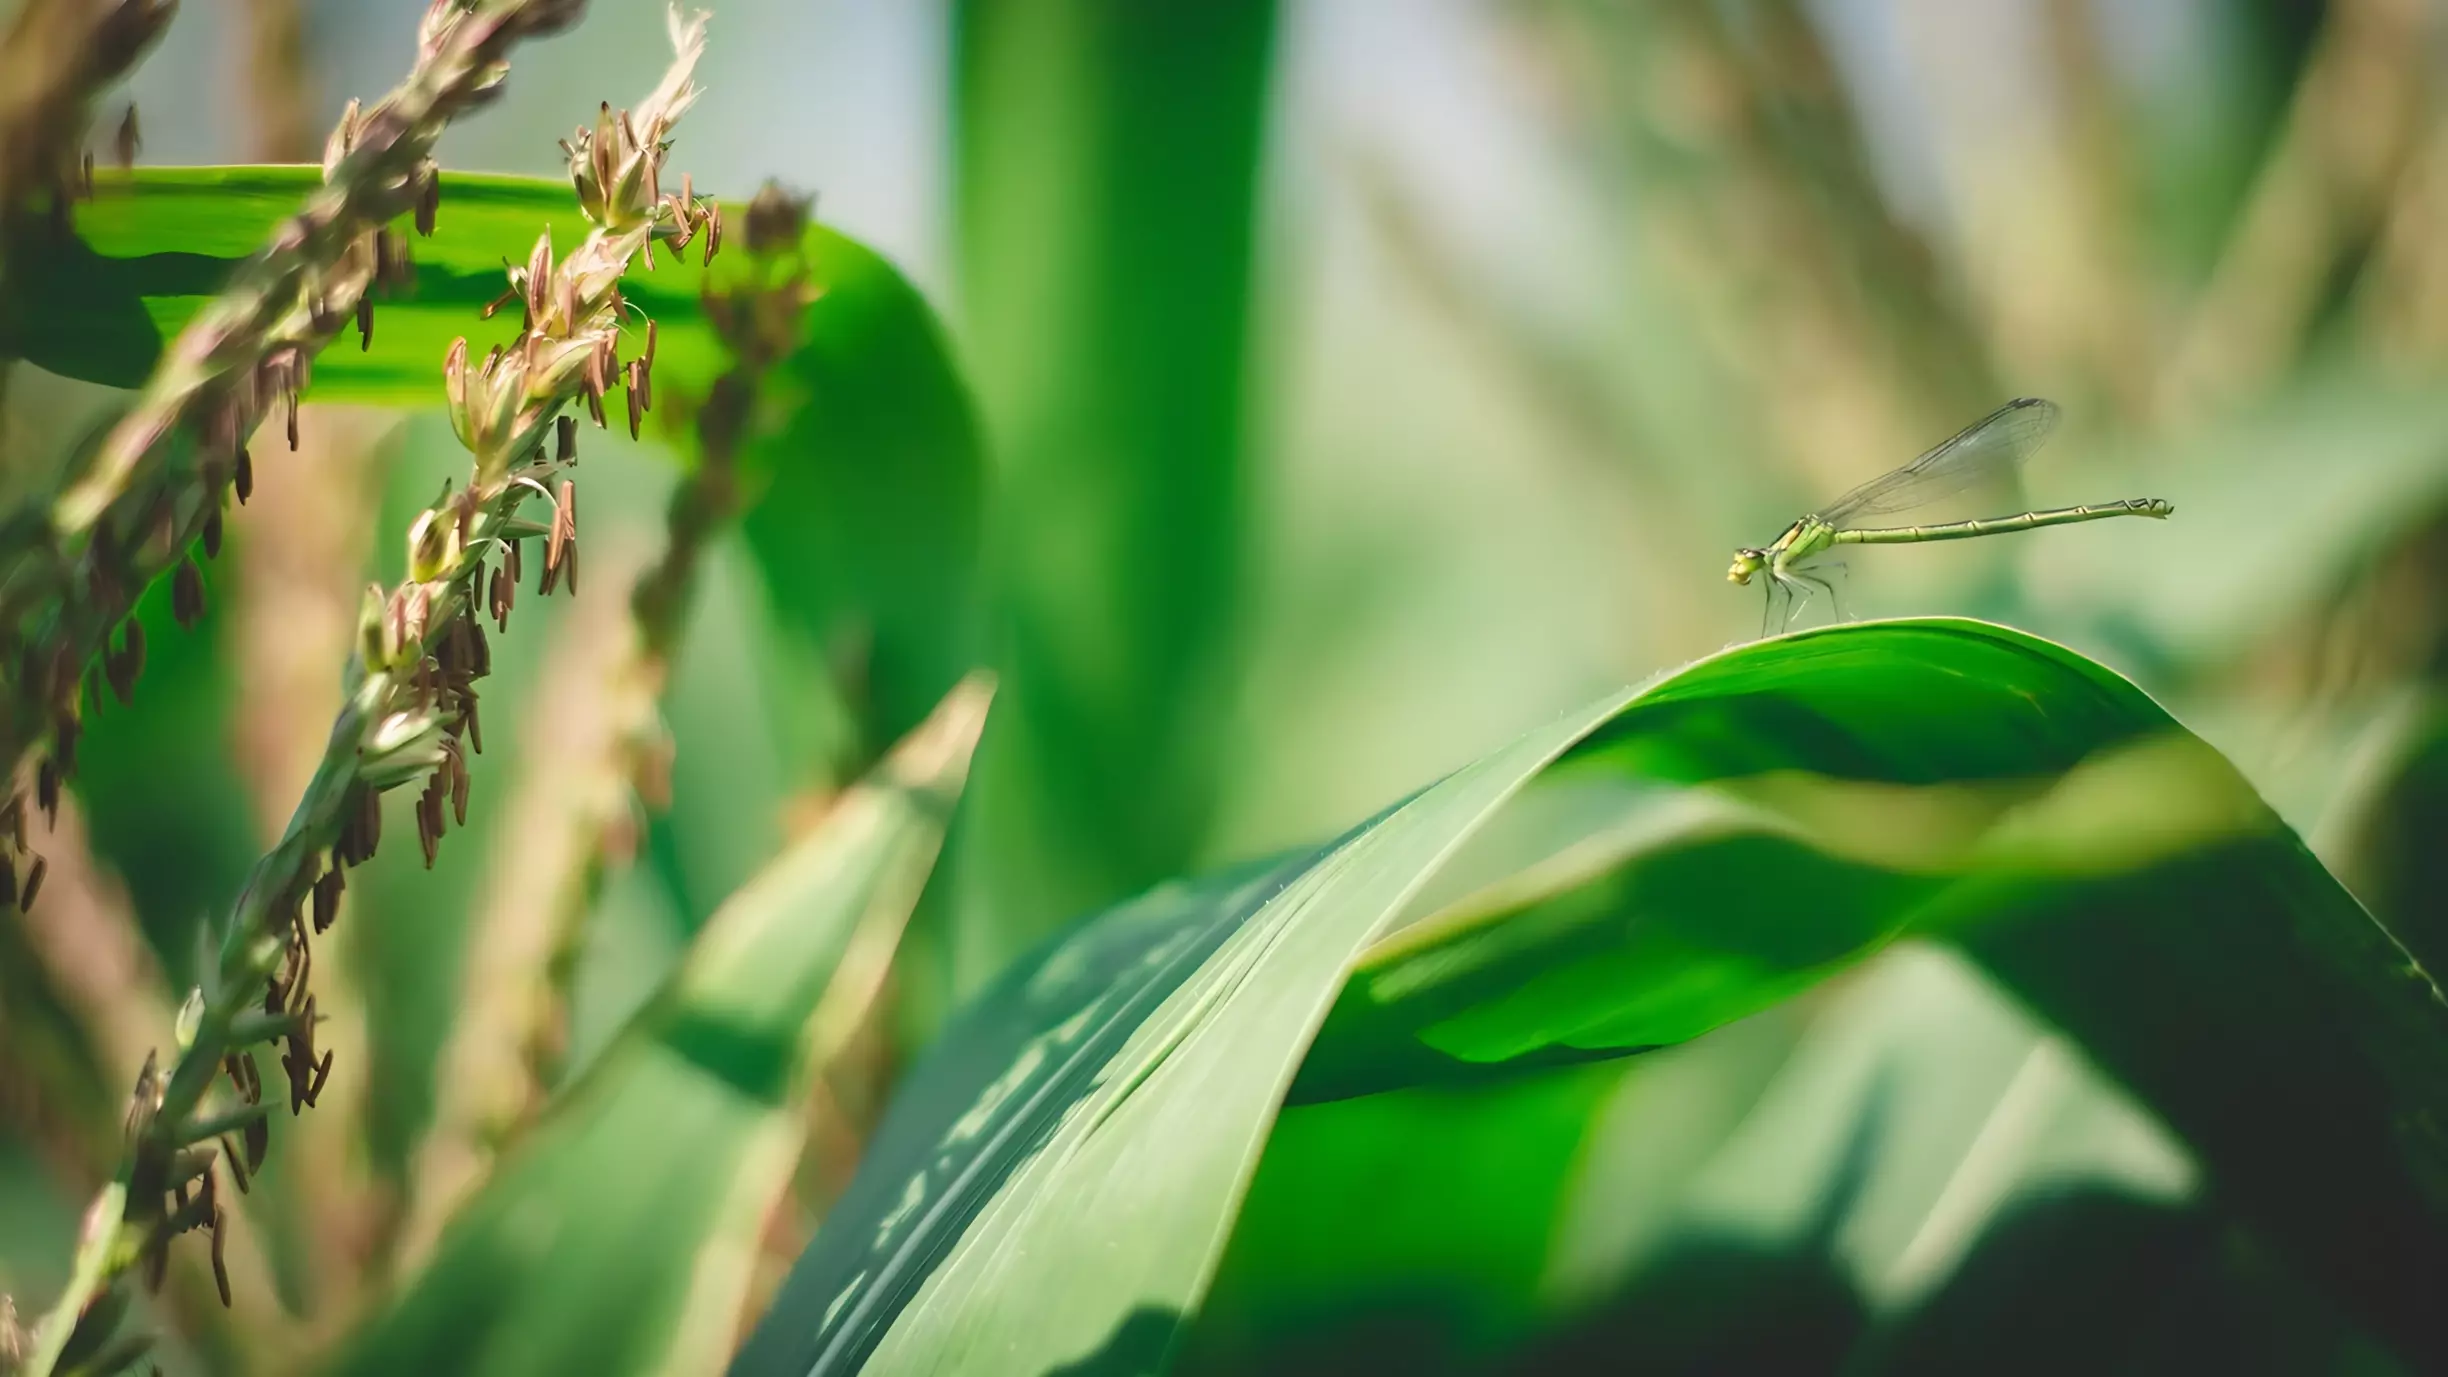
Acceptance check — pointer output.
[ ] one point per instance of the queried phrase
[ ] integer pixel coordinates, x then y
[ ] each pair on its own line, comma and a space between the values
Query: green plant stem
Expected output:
132, 514
1105, 187
254, 943
412, 647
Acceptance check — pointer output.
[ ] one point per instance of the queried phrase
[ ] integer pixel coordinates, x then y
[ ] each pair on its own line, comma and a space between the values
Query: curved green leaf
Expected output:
619, 1236
1749, 823
154, 245
1026, 1052
866, 475
1664, 862
870, 502
1797, 1192
1419, 1222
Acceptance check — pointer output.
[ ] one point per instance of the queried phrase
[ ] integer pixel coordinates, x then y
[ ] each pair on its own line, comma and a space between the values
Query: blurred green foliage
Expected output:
1352, 387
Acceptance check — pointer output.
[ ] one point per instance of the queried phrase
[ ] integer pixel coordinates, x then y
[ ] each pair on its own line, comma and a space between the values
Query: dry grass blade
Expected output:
2348, 138
294, 577
2401, 301
572, 789
278, 85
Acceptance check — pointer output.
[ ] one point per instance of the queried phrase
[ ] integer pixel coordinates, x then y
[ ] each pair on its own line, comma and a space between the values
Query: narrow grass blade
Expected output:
620, 1237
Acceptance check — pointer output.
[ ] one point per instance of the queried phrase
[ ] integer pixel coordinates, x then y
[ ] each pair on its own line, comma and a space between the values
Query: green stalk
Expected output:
140, 500
1108, 176
409, 705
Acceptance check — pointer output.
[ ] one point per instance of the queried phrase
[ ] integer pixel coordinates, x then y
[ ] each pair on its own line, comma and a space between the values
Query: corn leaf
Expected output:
1059, 1181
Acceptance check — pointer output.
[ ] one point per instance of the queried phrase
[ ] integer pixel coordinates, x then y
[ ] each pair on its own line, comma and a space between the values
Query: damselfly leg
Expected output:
1797, 588
1779, 610
1830, 575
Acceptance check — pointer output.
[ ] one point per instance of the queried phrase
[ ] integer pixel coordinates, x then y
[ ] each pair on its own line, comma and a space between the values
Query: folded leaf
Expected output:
1058, 1184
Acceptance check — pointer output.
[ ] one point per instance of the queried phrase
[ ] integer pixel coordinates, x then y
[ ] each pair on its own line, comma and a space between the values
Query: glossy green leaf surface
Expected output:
1661, 864
865, 474
620, 1235
1905, 1165
154, 245
1721, 843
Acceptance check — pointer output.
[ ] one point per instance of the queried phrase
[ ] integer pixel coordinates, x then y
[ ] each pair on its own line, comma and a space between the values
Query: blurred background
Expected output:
1364, 382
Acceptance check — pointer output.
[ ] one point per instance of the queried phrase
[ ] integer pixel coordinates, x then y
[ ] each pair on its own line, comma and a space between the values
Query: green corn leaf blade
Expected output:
1760, 828
1904, 1164
1024, 1052
619, 1236
154, 245
1190, 1006
1663, 863
1685, 867
866, 475
1402, 1228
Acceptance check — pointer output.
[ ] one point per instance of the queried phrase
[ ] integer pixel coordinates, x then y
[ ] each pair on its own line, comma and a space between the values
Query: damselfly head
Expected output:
1746, 563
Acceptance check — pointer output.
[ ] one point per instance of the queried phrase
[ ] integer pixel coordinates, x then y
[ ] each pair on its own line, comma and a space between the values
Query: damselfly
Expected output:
1990, 447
